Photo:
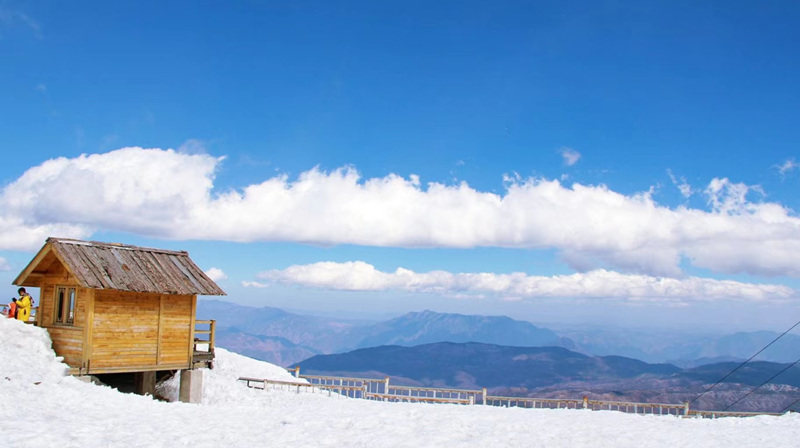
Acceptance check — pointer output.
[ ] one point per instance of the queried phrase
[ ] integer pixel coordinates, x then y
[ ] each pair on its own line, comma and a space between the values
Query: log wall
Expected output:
176, 325
69, 341
125, 329
140, 331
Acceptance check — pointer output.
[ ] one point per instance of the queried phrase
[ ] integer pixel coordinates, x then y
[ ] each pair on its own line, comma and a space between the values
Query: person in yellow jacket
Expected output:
24, 305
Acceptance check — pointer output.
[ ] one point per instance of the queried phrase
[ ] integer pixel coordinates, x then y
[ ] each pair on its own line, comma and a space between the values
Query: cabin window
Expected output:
65, 305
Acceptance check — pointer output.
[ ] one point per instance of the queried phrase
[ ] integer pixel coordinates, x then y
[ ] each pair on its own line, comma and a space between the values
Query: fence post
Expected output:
686, 409
297, 371
483, 393
386, 387
585, 402
211, 336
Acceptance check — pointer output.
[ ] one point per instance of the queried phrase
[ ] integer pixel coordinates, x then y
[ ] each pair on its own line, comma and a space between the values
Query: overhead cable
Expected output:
762, 384
742, 364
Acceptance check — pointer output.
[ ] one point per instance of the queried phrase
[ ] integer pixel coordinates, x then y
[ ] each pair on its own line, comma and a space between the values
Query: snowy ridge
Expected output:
51, 409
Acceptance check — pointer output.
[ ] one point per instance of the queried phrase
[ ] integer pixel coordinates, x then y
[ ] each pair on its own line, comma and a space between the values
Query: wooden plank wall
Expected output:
47, 305
125, 329
176, 323
68, 340
140, 331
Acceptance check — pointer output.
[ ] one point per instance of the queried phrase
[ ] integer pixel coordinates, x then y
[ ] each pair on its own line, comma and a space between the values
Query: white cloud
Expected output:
193, 146
4, 266
216, 274
570, 156
10, 17
683, 186
169, 194
599, 284
788, 166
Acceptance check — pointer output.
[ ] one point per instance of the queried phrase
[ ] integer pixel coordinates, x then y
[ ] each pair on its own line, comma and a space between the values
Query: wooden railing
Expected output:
351, 391
349, 387
533, 403
381, 389
203, 352
428, 394
717, 414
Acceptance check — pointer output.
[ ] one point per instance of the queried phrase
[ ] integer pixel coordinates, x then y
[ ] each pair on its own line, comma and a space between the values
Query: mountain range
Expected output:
284, 338
556, 372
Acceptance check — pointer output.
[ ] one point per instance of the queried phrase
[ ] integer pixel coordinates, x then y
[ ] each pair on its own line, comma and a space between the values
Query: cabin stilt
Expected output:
191, 386
145, 383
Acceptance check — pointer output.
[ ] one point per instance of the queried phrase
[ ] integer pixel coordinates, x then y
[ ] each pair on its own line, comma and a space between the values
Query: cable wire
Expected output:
787, 407
742, 364
762, 384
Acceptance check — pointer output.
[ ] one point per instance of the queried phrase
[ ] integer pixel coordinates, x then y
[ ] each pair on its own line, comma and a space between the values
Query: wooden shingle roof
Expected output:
122, 267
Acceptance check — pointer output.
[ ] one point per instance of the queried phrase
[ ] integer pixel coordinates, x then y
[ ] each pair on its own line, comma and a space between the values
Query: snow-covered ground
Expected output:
40, 407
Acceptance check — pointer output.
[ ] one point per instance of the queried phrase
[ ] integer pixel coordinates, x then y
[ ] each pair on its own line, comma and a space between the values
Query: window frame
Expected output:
64, 306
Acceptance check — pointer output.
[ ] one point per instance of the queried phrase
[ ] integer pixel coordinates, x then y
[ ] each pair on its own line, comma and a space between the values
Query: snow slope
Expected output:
47, 409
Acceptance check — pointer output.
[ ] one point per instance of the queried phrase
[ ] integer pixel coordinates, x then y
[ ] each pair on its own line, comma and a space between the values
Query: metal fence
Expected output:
383, 390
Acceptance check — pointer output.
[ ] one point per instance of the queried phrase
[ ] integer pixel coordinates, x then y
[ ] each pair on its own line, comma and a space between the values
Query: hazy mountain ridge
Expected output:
489, 365
426, 327
560, 373
681, 348
301, 336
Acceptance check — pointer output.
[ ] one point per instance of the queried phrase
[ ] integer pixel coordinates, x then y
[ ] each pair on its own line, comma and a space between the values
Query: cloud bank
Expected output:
216, 274
170, 194
597, 284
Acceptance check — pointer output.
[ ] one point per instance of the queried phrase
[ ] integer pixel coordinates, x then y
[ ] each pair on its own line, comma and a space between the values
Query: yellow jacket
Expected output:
24, 307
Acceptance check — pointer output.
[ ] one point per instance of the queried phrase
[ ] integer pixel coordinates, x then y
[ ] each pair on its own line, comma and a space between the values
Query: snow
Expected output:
46, 408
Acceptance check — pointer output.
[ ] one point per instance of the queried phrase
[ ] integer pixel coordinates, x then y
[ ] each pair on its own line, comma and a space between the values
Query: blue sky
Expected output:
631, 163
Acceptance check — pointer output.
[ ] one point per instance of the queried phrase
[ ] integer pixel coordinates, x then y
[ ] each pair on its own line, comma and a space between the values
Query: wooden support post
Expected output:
483, 393
686, 409
585, 402
386, 385
145, 383
211, 338
297, 371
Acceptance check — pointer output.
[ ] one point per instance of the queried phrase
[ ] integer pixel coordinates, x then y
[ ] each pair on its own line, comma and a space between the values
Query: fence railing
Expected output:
383, 390
534, 403
349, 387
203, 351
429, 394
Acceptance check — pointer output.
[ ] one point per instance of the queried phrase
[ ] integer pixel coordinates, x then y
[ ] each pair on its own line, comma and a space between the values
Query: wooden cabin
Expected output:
112, 308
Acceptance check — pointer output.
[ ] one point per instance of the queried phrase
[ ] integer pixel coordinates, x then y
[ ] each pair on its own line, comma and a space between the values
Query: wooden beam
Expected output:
191, 328
22, 278
160, 327
145, 383
88, 333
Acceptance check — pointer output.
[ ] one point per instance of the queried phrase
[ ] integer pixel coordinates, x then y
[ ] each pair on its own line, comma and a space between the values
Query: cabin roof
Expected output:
121, 267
